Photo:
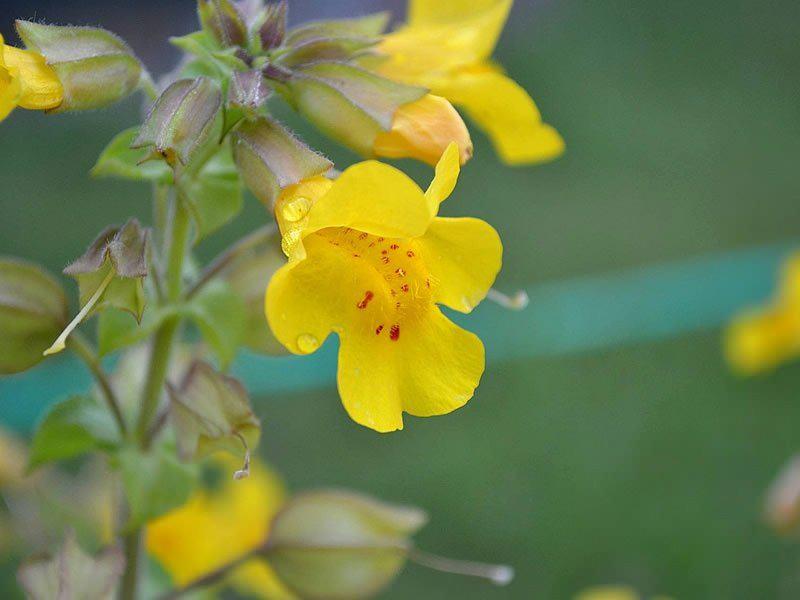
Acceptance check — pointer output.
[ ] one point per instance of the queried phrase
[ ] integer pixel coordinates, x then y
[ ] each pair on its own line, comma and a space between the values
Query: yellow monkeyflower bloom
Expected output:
423, 130
26, 81
370, 260
762, 339
447, 47
612, 592
216, 527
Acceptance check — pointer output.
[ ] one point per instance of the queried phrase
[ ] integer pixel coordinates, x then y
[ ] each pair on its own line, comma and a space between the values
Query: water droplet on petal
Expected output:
294, 210
307, 343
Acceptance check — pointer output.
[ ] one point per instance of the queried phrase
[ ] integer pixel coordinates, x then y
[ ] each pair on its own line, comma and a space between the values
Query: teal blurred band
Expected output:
565, 317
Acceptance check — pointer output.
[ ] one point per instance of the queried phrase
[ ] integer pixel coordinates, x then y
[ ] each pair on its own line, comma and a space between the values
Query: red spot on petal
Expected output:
401, 272
363, 236
405, 288
394, 246
394, 333
384, 252
393, 292
427, 283
410, 254
380, 239
379, 329
367, 299
385, 260
356, 255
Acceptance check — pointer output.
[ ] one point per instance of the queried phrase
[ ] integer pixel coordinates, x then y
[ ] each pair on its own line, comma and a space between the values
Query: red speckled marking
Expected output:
385, 260
394, 333
367, 299
379, 329
405, 288
401, 272
394, 247
410, 254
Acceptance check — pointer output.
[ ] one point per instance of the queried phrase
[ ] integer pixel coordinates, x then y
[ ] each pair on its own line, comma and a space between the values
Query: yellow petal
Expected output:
428, 367
215, 527
40, 87
608, 592
464, 257
482, 19
374, 198
423, 130
506, 112
444, 182
762, 340
9, 92
257, 579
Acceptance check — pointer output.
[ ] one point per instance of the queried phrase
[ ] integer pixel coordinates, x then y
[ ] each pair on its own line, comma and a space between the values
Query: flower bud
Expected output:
423, 130
333, 544
33, 310
248, 91
94, 66
222, 20
269, 29
184, 122
349, 104
271, 159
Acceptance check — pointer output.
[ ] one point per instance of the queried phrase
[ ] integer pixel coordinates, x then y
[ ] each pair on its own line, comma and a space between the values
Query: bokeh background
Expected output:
586, 457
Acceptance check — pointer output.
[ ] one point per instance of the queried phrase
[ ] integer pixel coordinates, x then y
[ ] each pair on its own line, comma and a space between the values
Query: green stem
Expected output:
165, 336
84, 350
130, 579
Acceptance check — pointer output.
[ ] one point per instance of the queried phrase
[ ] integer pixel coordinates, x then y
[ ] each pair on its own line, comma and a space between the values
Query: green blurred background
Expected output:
644, 463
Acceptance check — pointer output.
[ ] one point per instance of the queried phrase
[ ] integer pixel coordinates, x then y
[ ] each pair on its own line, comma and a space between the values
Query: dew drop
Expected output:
296, 209
307, 343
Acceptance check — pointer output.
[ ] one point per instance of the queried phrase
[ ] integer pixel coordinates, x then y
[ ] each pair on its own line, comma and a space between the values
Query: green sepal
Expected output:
367, 26
120, 161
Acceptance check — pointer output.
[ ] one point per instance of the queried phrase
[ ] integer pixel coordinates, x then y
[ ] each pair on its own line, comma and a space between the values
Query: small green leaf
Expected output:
367, 26
155, 483
117, 329
33, 310
215, 196
220, 315
201, 45
70, 429
120, 161
72, 574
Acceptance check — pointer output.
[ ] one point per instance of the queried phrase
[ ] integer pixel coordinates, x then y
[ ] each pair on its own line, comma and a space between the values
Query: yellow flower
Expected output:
762, 339
216, 527
423, 130
27, 81
370, 260
447, 47
612, 592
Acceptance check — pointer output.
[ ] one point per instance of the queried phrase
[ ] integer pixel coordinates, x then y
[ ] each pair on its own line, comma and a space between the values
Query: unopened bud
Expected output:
332, 544
423, 130
270, 159
94, 66
185, 121
222, 20
269, 29
248, 91
349, 104
33, 310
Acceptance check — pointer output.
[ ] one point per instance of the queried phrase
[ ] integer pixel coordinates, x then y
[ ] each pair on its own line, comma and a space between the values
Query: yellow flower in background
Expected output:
370, 260
762, 339
423, 130
216, 527
447, 47
612, 592
26, 81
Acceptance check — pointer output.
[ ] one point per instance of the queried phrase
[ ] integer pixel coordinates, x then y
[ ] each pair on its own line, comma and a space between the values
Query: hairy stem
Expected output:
224, 260
84, 350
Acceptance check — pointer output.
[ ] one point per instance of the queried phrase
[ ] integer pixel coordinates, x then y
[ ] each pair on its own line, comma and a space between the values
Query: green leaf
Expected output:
221, 317
155, 483
33, 310
215, 196
117, 329
70, 429
120, 161
368, 26
203, 46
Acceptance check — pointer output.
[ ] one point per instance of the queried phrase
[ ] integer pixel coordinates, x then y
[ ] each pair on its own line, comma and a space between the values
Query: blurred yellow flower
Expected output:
612, 592
447, 47
423, 130
762, 339
370, 260
216, 527
26, 81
